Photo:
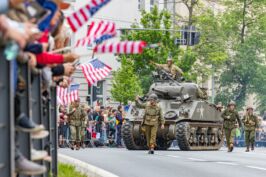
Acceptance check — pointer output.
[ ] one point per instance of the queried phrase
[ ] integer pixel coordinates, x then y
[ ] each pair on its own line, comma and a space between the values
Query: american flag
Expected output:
80, 17
124, 47
67, 95
95, 71
97, 33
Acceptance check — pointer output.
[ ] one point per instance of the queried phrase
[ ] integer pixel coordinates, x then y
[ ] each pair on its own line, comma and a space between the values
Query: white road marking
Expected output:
175, 156
227, 163
194, 159
258, 168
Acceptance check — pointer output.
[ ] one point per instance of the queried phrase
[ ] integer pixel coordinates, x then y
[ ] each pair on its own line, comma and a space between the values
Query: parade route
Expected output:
174, 163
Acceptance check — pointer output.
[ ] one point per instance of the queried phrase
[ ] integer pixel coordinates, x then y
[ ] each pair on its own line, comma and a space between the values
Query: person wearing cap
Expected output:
231, 118
170, 67
250, 124
219, 106
153, 117
76, 117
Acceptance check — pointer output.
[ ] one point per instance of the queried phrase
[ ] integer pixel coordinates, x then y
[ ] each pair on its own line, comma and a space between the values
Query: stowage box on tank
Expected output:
190, 119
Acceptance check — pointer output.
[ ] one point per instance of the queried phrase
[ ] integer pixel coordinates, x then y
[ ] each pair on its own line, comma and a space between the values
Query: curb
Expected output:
85, 168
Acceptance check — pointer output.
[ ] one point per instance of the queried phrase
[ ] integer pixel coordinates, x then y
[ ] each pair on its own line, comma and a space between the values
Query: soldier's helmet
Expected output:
231, 103
219, 105
153, 97
249, 107
169, 59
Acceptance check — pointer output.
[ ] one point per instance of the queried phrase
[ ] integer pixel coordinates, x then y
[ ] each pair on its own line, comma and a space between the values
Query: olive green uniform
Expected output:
75, 121
153, 117
173, 69
231, 118
250, 124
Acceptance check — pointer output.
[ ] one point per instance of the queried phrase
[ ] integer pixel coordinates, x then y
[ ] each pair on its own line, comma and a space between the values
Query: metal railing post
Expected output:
7, 130
53, 131
24, 138
37, 112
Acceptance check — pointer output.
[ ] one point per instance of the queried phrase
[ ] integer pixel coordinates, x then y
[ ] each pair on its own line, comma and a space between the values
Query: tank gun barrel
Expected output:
165, 93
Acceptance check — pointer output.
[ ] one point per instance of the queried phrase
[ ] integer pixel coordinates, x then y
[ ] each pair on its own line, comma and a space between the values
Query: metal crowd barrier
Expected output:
34, 106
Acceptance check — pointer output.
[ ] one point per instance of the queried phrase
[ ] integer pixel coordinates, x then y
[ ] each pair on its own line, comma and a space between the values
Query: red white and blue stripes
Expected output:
124, 47
64, 97
95, 71
98, 32
80, 17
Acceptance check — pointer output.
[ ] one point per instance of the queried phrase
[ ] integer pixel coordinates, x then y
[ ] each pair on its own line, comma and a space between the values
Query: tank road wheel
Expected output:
183, 135
129, 140
162, 144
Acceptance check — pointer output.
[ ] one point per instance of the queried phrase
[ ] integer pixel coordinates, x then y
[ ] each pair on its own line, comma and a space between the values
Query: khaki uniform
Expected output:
250, 124
75, 121
173, 69
153, 117
231, 118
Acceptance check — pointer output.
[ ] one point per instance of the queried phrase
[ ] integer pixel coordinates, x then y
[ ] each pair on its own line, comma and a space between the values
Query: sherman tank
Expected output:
190, 119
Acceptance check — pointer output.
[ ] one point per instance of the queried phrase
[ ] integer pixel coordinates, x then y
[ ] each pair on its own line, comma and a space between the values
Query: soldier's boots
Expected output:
72, 146
26, 167
252, 147
151, 151
77, 146
231, 147
247, 150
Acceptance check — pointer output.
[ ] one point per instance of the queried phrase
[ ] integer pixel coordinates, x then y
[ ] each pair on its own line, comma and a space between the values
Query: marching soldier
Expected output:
250, 124
153, 117
231, 118
76, 116
170, 67
84, 124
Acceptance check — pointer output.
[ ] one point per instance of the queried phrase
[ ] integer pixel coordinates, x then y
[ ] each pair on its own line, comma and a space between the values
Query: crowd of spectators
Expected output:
102, 126
30, 30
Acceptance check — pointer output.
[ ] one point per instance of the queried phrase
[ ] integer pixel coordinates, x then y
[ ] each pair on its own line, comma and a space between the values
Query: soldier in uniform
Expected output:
84, 124
250, 124
153, 117
175, 71
76, 116
231, 118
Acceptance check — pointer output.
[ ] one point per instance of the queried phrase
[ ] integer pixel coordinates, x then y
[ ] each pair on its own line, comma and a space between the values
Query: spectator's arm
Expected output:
47, 58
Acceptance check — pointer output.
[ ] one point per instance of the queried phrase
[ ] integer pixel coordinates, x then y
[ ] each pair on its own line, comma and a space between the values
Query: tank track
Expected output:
189, 141
128, 138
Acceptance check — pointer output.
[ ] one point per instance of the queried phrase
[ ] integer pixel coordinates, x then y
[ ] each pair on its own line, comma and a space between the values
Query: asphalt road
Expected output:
175, 163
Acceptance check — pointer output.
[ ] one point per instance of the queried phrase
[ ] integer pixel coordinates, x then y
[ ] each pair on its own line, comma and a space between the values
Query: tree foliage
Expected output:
244, 25
141, 63
125, 84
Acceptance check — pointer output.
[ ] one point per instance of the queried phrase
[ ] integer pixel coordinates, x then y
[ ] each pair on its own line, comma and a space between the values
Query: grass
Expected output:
65, 170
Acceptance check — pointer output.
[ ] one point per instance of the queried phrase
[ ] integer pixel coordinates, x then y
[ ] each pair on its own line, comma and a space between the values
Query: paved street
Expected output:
175, 163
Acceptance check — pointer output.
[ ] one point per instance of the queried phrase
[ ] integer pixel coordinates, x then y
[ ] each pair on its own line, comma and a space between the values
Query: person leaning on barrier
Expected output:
250, 122
171, 68
231, 118
76, 117
153, 117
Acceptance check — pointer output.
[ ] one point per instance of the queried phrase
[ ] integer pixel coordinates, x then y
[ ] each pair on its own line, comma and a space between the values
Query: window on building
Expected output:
151, 4
141, 4
165, 4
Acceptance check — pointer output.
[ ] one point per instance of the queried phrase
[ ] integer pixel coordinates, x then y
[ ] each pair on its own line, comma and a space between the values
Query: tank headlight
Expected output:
170, 115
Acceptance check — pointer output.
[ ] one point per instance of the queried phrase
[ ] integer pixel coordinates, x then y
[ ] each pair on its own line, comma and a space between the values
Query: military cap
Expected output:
219, 105
169, 59
249, 107
231, 103
153, 97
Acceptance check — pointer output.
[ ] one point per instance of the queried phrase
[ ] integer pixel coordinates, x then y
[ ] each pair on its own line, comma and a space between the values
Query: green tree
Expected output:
244, 25
141, 63
125, 84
